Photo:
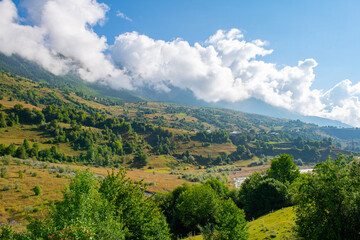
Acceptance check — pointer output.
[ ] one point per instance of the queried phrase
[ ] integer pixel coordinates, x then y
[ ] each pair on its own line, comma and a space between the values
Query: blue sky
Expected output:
290, 54
325, 30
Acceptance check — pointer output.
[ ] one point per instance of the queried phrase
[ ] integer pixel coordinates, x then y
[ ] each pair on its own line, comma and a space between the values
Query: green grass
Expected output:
276, 225
199, 237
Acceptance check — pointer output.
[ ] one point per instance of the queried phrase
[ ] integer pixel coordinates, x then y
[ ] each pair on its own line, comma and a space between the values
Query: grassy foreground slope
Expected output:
275, 225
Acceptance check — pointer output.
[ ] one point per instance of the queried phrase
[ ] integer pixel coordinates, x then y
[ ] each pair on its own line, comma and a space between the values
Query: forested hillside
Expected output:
48, 132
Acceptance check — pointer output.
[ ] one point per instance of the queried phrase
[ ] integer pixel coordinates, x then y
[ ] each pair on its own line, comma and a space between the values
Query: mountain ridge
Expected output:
25, 68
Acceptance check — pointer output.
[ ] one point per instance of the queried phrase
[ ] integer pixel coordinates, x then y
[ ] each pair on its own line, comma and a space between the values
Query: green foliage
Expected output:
203, 208
219, 187
283, 169
82, 214
3, 172
328, 200
230, 221
201, 177
7, 187
213, 137
37, 190
140, 159
260, 194
196, 206
141, 217
6, 232
21, 152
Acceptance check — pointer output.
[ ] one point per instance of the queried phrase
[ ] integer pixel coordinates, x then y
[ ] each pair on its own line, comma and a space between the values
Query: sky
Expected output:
298, 55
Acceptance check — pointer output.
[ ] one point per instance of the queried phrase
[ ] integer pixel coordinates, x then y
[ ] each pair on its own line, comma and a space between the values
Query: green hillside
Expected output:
186, 156
276, 225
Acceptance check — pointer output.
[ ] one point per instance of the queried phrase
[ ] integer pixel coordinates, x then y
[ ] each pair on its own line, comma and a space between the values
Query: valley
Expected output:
48, 134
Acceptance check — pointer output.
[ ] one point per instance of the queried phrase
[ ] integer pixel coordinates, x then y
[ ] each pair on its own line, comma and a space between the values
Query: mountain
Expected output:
71, 82
22, 67
252, 105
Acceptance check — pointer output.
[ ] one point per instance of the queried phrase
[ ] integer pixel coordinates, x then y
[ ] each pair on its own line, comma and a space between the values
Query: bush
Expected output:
3, 172
6, 160
6, 232
203, 208
29, 209
115, 211
328, 200
7, 187
283, 169
37, 190
260, 194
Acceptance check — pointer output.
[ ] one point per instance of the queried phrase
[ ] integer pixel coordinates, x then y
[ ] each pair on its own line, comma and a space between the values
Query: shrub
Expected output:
203, 208
3, 172
37, 190
29, 209
116, 211
260, 194
7, 188
6, 160
328, 200
6, 232
21, 174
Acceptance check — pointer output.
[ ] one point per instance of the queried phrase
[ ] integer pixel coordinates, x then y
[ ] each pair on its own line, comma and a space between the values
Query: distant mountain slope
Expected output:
30, 70
18, 65
252, 105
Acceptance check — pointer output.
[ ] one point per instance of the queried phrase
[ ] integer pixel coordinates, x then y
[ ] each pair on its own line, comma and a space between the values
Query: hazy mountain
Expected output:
17, 65
27, 69
186, 97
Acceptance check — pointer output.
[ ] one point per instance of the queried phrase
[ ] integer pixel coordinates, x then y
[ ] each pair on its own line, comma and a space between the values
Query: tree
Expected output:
35, 150
82, 214
283, 169
260, 194
203, 207
21, 152
2, 120
140, 159
141, 217
327, 201
10, 150
26, 145
196, 206
230, 221
37, 190
3, 172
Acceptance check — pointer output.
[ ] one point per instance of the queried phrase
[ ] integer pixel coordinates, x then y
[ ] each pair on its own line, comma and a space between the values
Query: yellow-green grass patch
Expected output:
276, 225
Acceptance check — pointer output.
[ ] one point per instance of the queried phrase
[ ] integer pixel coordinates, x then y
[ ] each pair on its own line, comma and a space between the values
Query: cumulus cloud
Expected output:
61, 38
123, 16
225, 67
26, 41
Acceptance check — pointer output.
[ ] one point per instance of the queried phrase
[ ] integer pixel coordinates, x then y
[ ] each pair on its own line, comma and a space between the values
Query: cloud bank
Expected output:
225, 67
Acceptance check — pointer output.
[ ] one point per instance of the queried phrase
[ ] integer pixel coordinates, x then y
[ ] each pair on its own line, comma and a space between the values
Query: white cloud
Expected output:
26, 41
225, 67
123, 16
61, 39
